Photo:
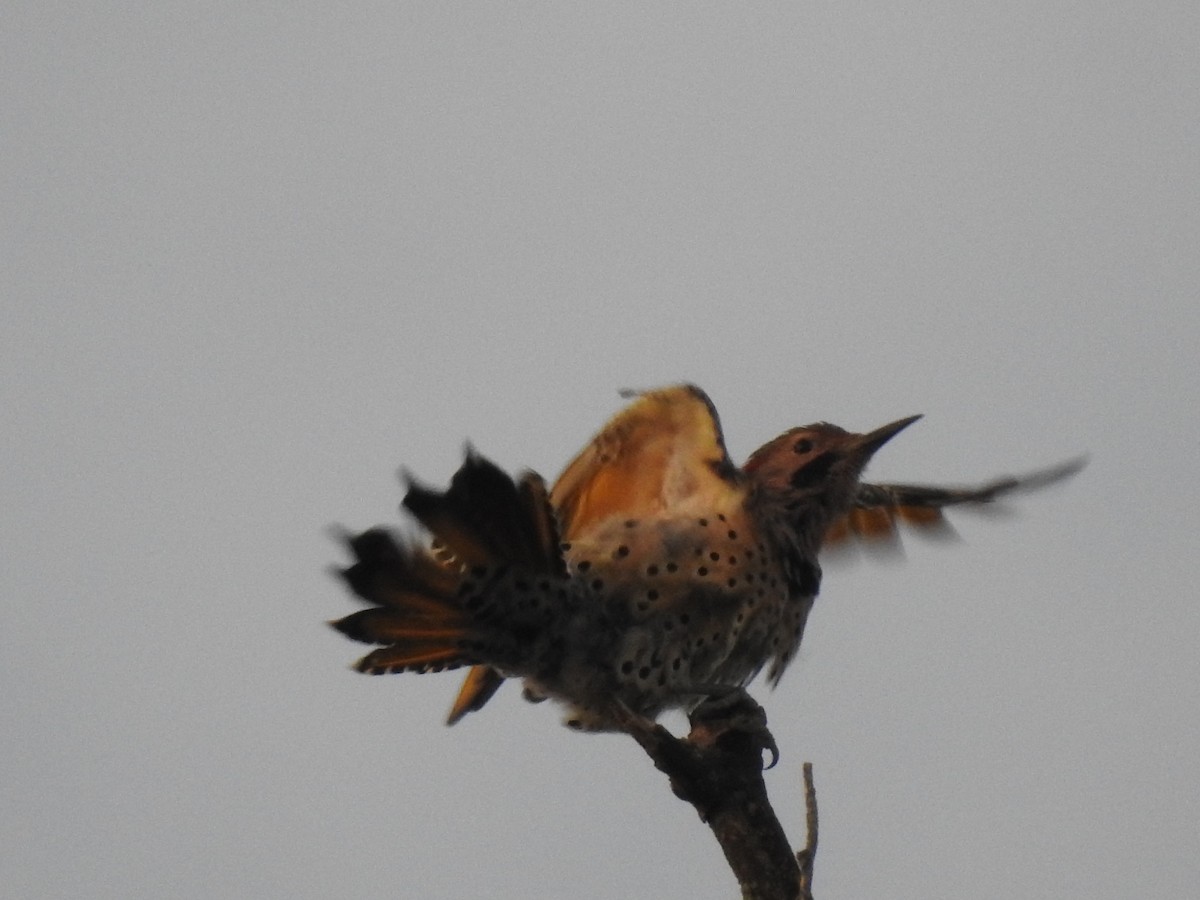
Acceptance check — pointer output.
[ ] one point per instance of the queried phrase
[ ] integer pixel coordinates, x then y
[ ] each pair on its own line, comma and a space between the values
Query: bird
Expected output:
654, 574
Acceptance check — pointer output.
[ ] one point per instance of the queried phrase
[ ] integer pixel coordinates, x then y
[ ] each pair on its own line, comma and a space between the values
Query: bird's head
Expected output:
812, 471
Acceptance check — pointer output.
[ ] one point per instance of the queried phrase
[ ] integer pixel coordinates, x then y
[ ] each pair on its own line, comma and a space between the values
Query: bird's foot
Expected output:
731, 709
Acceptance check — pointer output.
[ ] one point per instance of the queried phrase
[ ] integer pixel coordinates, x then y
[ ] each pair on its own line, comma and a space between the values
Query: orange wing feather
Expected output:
661, 450
879, 508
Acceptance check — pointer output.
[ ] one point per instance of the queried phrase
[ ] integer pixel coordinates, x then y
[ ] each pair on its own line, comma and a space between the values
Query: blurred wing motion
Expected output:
880, 508
663, 450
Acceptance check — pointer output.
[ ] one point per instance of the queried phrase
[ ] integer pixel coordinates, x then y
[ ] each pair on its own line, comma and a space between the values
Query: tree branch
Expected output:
718, 768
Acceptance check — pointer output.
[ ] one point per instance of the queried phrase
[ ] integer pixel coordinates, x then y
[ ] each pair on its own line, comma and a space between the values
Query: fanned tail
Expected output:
484, 525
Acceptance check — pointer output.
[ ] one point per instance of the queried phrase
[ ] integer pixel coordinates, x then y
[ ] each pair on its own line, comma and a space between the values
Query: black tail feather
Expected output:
485, 519
385, 571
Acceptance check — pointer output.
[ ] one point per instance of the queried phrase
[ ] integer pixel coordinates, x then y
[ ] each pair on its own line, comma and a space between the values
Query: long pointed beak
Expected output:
868, 443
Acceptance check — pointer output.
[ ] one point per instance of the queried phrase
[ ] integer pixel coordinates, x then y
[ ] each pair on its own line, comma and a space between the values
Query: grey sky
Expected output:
255, 257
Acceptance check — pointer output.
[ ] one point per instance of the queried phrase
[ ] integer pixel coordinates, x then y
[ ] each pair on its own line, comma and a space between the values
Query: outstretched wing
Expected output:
879, 509
662, 450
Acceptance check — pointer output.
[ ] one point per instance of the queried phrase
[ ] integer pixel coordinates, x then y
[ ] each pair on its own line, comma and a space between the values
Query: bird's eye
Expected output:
804, 445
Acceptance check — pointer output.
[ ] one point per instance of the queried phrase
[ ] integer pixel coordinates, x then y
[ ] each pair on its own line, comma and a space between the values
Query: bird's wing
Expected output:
879, 509
661, 451
664, 449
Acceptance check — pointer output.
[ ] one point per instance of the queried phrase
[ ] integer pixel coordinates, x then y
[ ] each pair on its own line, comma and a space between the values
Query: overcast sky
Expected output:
255, 257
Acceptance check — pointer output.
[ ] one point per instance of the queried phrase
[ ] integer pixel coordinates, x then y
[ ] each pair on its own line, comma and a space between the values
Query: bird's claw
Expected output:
732, 709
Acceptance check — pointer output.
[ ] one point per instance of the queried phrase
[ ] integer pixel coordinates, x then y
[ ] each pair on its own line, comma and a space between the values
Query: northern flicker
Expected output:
656, 574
